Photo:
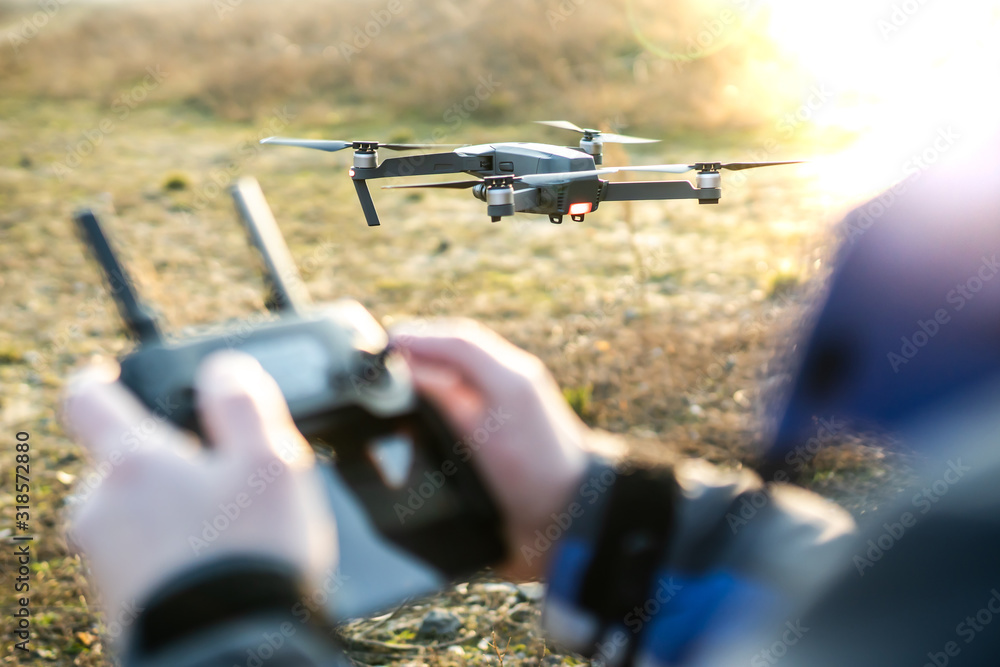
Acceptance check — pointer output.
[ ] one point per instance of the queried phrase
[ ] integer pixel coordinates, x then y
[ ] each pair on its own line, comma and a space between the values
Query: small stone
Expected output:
498, 587
531, 591
741, 399
439, 623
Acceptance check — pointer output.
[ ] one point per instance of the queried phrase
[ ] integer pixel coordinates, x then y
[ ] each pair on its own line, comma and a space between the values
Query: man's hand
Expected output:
528, 444
169, 504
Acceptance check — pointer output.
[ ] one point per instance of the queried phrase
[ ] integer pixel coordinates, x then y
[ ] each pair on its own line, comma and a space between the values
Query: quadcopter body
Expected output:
500, 167
524, 177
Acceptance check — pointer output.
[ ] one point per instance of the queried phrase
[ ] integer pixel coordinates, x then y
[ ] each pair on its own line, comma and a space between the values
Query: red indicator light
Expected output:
351, 172
580, 208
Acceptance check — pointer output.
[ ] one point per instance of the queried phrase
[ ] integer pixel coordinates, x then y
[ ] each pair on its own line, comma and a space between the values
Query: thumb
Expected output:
243, 412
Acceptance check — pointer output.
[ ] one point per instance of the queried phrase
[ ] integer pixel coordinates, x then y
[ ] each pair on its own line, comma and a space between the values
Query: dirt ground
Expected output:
670, 323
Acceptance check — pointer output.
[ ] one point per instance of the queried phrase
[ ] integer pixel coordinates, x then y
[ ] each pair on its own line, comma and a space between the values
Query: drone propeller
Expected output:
606, 137
550, 178
560, 176
555, 177
561, 124
738, 166
332, 145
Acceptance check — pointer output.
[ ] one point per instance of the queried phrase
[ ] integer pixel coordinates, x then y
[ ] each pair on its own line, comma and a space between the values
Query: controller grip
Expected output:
471, 537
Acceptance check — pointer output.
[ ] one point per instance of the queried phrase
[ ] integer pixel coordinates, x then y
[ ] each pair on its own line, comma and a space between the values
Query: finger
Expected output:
460, 403
80, 526
243, 411
105, 417
478, 353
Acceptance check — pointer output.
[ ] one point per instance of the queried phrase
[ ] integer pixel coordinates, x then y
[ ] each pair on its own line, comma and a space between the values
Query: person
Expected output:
688, 565
213, 606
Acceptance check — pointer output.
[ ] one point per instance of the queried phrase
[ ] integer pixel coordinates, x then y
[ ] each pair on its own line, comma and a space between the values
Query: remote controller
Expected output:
348, 391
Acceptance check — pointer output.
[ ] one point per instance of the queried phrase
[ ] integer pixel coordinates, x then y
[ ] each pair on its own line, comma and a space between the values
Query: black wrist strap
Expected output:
213, 595
632, 544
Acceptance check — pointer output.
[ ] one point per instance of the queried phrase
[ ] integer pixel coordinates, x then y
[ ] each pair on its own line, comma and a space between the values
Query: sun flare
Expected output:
900, 74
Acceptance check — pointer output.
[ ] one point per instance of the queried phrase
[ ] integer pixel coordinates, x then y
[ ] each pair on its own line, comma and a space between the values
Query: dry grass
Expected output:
663, 321
238, 58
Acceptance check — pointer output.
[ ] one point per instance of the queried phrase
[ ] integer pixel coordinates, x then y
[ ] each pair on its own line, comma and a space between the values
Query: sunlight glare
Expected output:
900, 73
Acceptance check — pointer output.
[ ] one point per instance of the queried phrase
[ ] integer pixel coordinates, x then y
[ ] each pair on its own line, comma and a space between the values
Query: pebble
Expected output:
741, 398
532, 591
439, 623
498, 587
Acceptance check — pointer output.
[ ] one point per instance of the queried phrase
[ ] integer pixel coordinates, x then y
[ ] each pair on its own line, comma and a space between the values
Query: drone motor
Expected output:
499, 197
708, 179
366, 157
593, 145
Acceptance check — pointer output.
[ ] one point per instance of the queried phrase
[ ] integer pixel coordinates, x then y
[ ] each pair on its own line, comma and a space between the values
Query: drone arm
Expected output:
634, 190
423, 165
416, 165
525, 199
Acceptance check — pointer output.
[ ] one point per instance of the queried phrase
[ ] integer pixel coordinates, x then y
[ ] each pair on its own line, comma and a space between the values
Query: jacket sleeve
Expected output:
740, 554
239, 610
919, 584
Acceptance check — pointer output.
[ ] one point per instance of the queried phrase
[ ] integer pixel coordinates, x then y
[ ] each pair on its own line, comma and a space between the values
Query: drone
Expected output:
525, 177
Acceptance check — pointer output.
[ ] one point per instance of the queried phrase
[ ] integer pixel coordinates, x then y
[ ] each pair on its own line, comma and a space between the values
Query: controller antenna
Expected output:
286, 290
138, 318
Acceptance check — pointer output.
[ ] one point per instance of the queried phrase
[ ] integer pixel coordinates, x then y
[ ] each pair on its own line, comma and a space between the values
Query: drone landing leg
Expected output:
367, 205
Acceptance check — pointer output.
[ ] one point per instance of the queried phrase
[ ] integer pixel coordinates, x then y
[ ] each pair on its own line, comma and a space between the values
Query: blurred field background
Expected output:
670, 323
